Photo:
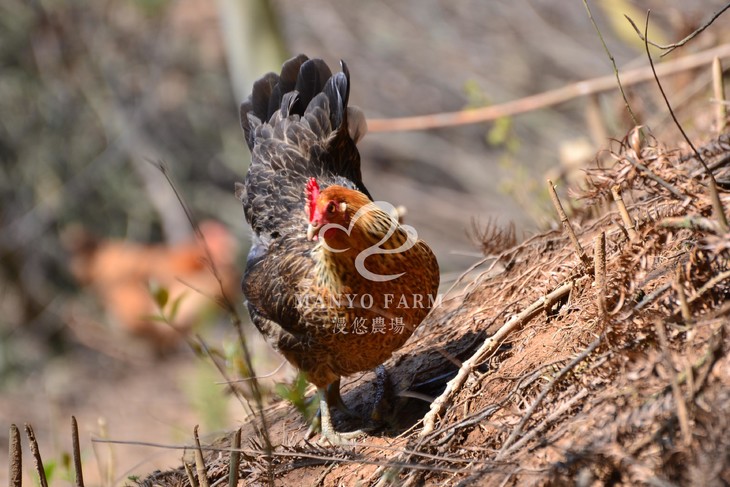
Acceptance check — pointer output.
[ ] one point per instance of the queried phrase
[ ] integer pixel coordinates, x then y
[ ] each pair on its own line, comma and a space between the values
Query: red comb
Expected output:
312, 195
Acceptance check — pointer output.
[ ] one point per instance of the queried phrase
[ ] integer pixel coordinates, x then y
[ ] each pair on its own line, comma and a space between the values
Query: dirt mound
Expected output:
545, 368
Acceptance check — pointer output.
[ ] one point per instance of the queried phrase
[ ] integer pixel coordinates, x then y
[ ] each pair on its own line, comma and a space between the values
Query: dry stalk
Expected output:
651, 175
629, 224
199, 461
671, 47
709, 285
717, 207
567, 226
554, 416
679, 288
36, 455
235, 459
718, 89
613, 63
691, 222
546, 390
228, 305
16, 458
191, 477
599, 271
106, 464
489, 345
545, 99
682, 413
76, 452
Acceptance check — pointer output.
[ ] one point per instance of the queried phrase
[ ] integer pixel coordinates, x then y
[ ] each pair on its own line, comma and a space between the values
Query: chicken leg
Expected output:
330, 397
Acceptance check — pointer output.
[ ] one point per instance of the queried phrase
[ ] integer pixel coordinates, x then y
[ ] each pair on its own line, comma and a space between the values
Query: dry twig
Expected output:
554, 416
191, 476
235, 459
679, 288
76, 452
714, 193
199, 461
682, 413
16, 458
599, 270
652, 175
709, 285
563, 372
545, 99
718, 90
567, 225
489, 345
613, 63
671, 47
629, 224
40, 470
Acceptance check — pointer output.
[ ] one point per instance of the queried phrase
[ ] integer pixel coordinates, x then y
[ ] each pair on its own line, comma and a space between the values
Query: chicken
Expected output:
121, 272
332, 280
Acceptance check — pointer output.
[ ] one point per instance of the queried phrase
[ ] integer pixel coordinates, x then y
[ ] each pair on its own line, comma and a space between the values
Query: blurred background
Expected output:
94, 242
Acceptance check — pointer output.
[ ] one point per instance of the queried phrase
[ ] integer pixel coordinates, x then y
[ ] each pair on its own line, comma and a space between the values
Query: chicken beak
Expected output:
312, 229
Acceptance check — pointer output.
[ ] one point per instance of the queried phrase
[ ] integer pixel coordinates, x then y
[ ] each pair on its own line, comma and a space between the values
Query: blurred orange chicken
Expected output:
123, 273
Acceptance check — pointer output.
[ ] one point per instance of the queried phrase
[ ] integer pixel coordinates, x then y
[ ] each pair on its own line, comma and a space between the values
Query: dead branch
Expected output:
235, 459
679, 288
563, 372
599, 270
16, 458
671, 47
567, 225
709, 285
191, 477
613, 64
76, 452
547, 98
629, 224
682, 413
718, 90
199, 461
714, 193
489, 345
40, 470
649, 173
554, 416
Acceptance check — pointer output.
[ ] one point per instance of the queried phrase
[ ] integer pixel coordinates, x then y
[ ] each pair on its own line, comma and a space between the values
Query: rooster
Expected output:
332, 280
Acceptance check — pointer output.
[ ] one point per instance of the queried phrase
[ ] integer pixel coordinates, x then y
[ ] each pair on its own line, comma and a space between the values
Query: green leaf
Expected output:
500, 132
161, 295
174, 308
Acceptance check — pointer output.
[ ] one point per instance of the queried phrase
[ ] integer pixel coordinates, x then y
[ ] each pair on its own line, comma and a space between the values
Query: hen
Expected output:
120, 273
332, 280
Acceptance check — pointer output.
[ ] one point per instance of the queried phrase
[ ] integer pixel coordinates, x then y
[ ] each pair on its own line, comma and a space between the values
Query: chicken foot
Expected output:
330, 397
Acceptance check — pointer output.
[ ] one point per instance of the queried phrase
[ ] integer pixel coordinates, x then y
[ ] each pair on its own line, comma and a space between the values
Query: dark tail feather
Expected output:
308, 77
268, 93
337, 91
256, 104
313, 75
306, 83
287, 82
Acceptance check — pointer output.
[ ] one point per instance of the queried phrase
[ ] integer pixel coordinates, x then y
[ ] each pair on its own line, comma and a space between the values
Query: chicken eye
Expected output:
331, 207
